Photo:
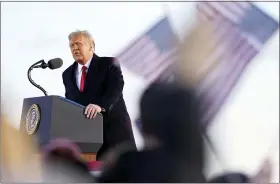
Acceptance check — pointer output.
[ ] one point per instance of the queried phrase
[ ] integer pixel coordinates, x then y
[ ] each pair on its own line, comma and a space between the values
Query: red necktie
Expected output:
83, 78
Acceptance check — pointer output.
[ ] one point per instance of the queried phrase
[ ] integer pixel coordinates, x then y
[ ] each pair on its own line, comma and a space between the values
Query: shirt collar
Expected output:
80, 66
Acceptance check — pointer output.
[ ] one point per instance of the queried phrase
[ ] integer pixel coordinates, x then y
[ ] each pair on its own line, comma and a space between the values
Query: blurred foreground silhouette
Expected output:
18, 160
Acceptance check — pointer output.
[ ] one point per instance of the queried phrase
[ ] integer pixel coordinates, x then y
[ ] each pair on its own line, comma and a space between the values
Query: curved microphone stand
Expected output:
35, 65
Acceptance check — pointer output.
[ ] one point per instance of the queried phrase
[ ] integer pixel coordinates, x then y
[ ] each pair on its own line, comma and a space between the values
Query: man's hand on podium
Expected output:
91, 110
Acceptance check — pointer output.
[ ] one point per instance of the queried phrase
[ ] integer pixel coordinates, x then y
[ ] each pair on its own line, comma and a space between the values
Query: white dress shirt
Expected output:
79, 72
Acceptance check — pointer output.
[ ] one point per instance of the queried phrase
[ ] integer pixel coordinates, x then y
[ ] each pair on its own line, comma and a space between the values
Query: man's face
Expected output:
81, 49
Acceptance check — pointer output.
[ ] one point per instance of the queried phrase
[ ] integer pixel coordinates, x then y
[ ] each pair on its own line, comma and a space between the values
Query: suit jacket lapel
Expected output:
92, 74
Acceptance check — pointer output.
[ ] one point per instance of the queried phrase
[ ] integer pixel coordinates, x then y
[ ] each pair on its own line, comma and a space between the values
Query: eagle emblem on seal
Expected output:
32, 119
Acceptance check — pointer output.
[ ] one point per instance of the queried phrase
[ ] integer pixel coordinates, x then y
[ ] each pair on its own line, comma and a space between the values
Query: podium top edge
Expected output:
65, 99
75, 103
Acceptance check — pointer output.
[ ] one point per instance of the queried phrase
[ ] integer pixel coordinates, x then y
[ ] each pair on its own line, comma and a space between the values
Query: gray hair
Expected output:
84, 33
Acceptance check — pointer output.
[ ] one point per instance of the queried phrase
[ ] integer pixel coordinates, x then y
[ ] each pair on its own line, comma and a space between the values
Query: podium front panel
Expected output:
69, 120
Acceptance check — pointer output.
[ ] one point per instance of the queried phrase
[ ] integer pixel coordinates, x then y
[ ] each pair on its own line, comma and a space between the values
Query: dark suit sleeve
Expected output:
114, 85
63, 79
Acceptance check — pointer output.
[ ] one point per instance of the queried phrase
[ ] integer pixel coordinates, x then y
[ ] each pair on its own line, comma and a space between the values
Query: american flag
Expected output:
241, 30
151, 53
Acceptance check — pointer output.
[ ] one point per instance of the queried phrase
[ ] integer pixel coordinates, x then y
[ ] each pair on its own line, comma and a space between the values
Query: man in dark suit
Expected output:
97, 83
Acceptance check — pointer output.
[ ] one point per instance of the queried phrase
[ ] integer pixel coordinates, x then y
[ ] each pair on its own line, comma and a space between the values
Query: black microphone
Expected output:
52, 64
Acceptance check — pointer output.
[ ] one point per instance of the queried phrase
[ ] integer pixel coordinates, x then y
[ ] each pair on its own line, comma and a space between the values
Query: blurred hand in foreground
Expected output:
195, 51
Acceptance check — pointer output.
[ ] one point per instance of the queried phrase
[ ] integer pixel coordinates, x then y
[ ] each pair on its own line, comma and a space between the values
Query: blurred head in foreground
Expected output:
170, 113
170, 116
62, 163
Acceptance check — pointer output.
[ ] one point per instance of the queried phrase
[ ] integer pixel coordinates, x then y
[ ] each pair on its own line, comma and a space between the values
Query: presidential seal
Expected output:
32, 119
